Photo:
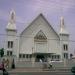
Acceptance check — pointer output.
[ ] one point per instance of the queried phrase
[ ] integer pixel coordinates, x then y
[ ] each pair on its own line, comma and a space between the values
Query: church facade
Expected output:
38, 41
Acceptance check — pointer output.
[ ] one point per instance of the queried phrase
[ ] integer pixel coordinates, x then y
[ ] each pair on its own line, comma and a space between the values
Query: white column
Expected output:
33, 61
33, 57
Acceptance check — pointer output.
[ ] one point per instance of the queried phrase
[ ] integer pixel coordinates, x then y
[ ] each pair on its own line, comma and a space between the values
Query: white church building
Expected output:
37, 41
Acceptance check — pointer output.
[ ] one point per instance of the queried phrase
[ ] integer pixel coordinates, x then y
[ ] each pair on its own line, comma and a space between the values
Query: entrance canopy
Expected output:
38, 53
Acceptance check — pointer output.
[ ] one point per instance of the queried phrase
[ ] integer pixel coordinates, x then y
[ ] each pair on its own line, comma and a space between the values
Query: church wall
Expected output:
26, 46
12, 36
64, 37
16, 47
27, 39
54, 46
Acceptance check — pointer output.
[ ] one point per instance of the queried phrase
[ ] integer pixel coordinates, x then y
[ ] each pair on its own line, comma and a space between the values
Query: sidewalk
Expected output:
38, 70
25, 70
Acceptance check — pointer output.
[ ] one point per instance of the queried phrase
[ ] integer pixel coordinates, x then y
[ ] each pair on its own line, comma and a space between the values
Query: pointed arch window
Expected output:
40, 36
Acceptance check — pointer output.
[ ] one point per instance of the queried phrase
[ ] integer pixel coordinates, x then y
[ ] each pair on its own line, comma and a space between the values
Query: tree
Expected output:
2, 52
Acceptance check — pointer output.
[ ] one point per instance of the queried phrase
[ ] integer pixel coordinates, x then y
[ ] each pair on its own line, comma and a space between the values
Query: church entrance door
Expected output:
40, 58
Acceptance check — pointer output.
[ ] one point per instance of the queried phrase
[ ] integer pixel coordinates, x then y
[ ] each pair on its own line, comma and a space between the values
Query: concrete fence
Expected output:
28, 64
65, 64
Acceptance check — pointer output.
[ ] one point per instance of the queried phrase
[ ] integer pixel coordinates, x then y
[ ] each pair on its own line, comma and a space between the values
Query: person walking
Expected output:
7, 64
3, 68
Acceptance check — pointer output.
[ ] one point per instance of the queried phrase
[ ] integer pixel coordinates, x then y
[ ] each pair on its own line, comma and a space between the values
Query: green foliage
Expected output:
2, 52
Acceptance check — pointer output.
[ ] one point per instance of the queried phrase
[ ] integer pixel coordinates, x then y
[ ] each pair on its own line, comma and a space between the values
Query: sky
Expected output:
27, 10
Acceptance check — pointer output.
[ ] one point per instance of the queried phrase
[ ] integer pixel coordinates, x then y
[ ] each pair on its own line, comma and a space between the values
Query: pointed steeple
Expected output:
11, 24
62, 26
12, 16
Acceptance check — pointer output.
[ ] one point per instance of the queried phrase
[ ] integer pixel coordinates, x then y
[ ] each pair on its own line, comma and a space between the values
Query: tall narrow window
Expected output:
30, 55
20, 56
9, 53
26, 55
65, 47
10, 44
66, 55
23, 55
58, 56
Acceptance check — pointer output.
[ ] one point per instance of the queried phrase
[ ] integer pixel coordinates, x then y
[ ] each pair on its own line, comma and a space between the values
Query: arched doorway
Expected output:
40, 41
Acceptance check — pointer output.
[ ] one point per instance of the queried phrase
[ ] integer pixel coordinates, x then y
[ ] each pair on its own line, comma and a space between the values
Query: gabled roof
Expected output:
36, 19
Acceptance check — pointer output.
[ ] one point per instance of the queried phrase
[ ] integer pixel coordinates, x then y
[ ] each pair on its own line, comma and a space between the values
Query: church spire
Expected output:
12, 16
11, 24
62, 26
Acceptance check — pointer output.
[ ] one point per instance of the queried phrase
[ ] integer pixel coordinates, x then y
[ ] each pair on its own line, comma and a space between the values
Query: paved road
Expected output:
24, 71
40, 73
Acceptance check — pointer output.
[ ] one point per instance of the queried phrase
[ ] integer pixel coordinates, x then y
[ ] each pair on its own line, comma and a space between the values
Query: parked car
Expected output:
73, 69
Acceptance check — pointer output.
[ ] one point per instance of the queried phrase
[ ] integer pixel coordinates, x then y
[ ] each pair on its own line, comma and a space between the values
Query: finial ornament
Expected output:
11, 24
12, 17
62, 26
62, 20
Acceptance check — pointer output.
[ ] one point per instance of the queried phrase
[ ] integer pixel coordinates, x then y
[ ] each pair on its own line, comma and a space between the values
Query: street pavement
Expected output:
36, 71
40, 73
